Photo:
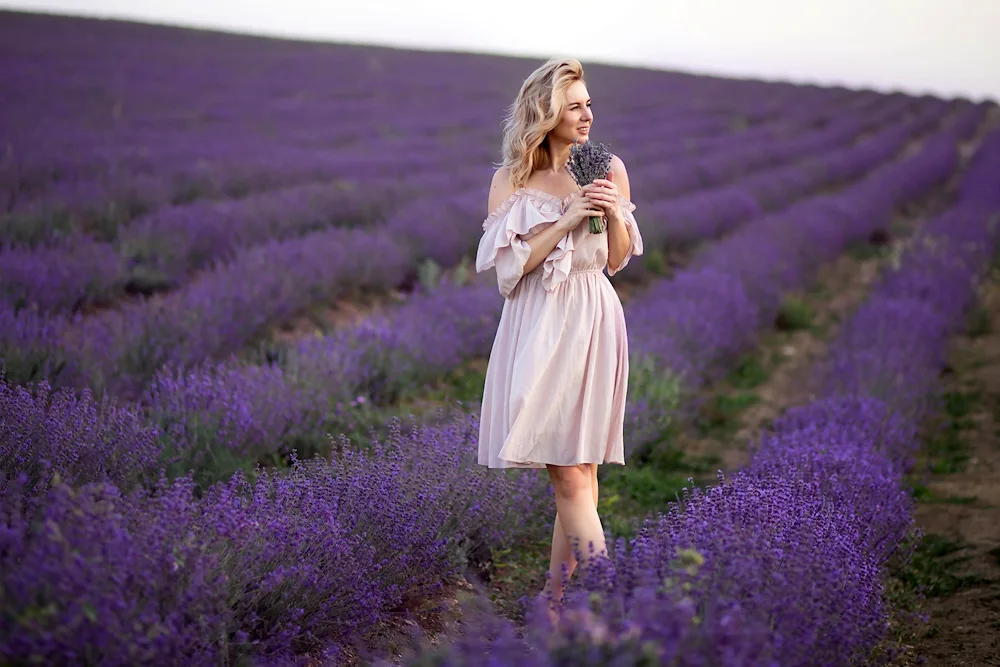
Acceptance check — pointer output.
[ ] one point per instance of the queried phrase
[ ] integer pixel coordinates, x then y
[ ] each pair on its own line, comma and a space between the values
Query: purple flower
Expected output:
589, 161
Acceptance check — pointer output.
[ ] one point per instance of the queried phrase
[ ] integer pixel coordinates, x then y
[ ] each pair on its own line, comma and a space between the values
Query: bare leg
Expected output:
593, 480
562, 551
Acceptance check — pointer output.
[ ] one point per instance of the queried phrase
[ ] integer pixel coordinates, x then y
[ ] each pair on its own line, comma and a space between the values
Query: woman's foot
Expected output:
551, 606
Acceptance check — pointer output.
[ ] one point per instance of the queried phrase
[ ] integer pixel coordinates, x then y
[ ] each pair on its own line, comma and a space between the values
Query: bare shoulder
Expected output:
500, 189
620, 176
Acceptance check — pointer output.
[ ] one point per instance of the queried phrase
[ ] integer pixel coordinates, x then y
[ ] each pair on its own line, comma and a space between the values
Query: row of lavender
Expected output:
334, 573
192, 174
709, 213
216, 418
117, 127
783, 563
230, 305
158, 250
31, 361
99, 207
106, 575
689, 331
362, 493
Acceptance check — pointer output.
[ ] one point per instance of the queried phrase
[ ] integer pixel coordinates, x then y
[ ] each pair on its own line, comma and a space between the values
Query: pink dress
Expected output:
558, 371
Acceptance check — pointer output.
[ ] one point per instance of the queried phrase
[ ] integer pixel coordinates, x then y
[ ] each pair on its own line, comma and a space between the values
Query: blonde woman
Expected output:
555, 386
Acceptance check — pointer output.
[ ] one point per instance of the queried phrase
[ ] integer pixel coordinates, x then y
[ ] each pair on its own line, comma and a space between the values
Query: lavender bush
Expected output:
93, 577
51, 436
63, 277
286, 563
158, 250
30, 345
121, 350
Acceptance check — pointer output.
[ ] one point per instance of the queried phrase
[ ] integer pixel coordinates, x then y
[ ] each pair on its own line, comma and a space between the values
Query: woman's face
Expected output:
576, 118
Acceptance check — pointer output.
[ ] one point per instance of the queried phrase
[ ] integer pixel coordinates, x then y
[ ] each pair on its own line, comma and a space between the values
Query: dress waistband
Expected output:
539, 271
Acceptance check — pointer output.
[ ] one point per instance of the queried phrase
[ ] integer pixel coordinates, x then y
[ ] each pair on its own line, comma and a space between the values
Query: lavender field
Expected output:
242, 347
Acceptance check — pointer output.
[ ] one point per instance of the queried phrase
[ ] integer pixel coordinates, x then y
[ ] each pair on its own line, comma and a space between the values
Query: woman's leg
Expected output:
562, 551
593, 480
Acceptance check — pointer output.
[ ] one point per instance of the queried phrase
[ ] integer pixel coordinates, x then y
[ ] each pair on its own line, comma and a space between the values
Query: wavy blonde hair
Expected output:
534, 113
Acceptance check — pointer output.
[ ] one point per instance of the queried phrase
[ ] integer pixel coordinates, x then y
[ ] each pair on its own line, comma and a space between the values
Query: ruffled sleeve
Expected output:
635, 238
503, 244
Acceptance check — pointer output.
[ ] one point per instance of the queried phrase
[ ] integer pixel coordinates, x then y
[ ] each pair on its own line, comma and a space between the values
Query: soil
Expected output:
964, 627
790, 357
344, 312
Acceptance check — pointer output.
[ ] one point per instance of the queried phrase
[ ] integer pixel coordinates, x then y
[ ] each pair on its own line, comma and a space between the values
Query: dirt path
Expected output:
787, 356
960, 511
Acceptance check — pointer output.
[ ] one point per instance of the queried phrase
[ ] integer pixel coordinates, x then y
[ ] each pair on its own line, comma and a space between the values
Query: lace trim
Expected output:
504, 207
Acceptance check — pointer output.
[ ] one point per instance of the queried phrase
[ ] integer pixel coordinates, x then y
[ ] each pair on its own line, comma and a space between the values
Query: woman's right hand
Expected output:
579, 210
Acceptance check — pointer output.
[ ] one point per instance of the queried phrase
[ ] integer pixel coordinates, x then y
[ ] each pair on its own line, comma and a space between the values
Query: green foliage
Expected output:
194, 447
628, 493
749, 373
958, 404
655, 261
656, 386
924, 494
673, 460
864, 250
21, 365
646, 488
793, 315
461, 384
947, 450
738, 123
462, 274
429, 273
719, 415
933, 568
979, 321
144, 279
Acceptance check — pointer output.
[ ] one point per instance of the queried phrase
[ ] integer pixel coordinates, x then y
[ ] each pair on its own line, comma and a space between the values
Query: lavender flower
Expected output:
587, 162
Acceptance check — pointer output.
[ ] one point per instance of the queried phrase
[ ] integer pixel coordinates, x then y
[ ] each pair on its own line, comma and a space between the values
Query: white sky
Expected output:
947, 47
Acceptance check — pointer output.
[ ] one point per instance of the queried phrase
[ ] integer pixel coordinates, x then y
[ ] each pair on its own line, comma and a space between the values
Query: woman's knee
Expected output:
571, 482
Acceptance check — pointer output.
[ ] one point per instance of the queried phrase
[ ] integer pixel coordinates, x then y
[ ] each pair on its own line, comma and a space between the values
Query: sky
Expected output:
918, 46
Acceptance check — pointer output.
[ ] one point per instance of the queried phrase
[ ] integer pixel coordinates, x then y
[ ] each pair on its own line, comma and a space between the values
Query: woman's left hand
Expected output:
604, 193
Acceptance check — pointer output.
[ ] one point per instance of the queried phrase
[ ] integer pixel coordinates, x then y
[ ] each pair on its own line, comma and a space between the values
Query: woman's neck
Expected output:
558, 156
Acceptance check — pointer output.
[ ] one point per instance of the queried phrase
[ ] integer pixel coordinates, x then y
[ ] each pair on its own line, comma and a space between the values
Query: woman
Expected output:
555, 386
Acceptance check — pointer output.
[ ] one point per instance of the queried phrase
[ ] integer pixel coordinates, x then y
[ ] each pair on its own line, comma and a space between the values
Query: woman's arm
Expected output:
618, 238
541, 244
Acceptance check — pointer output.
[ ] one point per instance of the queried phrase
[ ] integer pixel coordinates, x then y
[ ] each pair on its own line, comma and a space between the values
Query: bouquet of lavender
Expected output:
589, 161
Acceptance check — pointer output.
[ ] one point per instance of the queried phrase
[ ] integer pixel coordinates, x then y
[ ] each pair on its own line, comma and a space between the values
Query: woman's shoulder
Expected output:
503, 195
501, 188
617, 167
